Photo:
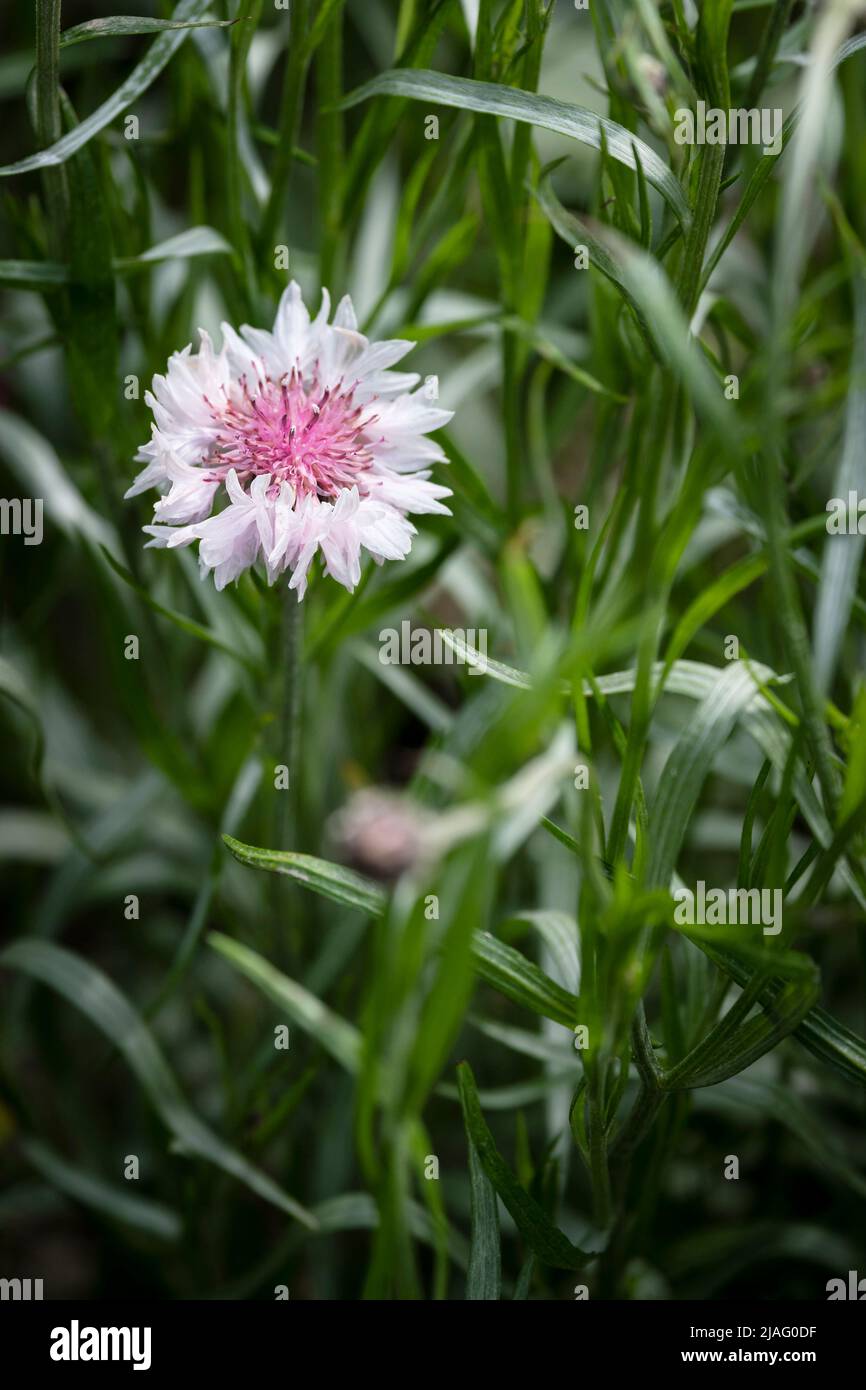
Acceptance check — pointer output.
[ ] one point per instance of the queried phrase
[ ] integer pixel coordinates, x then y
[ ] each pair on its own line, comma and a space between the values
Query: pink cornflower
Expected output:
306, 436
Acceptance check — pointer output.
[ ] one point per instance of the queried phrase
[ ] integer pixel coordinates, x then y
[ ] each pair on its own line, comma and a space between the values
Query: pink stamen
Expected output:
313, 438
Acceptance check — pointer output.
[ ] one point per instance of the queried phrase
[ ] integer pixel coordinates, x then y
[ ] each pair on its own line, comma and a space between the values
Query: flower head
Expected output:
380, 831
302, 438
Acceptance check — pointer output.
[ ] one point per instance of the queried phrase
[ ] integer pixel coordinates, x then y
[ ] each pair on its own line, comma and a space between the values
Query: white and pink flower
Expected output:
307, 437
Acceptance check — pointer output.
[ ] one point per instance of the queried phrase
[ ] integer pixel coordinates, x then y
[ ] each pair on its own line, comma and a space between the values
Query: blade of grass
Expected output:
143, 1213
142, 76
125, 26
543, 1238
102, 1002
332, 1033
492, 98
484, 1277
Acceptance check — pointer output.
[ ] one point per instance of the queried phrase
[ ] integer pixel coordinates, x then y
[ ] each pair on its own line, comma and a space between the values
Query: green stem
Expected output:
793, 625
297, 62
47, 71
49, 126
711, 165
511, 421
329, 91
289, 733
249, 13
773, 32
598, 1155
648, 1102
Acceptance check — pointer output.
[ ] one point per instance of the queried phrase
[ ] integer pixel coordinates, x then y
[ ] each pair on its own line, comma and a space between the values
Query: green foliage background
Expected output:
308, 128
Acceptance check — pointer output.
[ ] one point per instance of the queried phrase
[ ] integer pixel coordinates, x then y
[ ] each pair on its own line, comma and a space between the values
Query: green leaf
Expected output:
141, 77
491, 98
408, 688
41, 474
484, 1279
376, 135
357, 1211
831, 1042
559, 932
710, 600
759, 1098
47, 275
325, 11
686, 769
102, 1002
331, 880
549, 350
14, 687
543, 1238
696, 679
649, 287
124, 25
506, 969
466, 887
33, 275
842, 557
646, 218
89, 318
333, 1033
195, 241
766, 167
115, 1202
712, 50
576, 231
528, 1044
520, 980
854, 791
507, 675
180, 620
737, 1040
821, 1034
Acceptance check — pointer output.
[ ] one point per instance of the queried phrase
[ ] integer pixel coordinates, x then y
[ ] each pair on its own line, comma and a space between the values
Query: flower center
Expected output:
314, 438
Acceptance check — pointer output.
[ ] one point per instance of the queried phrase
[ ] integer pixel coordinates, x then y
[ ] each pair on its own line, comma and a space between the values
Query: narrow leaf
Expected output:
543, 1238
142, 76
96, 996
109, 1200
484, 1279
124, 25
491, 98
331, 880
333, 1033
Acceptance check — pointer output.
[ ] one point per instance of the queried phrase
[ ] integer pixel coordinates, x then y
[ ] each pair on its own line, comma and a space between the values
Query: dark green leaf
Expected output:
491, 98
147, 71
333, 1033
102, 1002
123, 25
484, 1279
331, 880
543, 1238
